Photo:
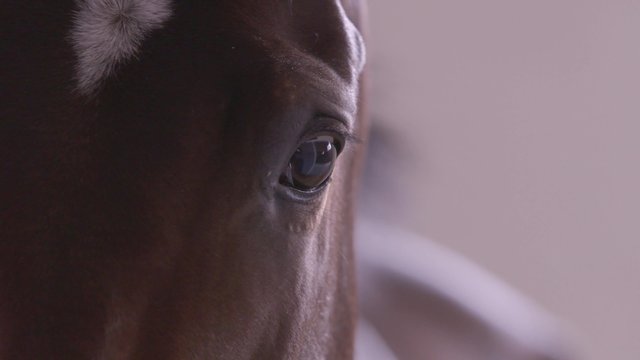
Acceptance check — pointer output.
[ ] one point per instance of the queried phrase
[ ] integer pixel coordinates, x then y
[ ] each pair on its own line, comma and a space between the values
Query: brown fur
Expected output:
147, 221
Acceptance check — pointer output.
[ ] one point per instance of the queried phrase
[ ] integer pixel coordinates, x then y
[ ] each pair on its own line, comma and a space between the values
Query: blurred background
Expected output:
517, 124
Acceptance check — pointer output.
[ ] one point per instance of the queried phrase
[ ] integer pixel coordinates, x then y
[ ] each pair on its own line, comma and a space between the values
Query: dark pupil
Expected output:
312, 163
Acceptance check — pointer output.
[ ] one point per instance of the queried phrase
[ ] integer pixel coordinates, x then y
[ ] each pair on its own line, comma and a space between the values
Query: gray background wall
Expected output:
521, 121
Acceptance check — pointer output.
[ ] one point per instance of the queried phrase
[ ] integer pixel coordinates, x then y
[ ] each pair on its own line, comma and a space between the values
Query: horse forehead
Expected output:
323, 31
108, 33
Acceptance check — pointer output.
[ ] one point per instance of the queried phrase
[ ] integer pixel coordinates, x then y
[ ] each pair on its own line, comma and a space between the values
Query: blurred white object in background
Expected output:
419, 300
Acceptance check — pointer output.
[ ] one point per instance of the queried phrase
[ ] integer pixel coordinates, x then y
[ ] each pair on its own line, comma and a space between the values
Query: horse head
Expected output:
177, 178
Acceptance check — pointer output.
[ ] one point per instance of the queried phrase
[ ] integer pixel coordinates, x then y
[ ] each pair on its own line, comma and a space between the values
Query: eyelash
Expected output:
346, 135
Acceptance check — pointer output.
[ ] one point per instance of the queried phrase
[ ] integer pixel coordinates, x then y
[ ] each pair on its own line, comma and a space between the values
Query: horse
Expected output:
177, 181
177, 178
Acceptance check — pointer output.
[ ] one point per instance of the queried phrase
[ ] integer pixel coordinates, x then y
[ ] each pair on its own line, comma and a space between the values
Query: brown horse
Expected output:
176, 178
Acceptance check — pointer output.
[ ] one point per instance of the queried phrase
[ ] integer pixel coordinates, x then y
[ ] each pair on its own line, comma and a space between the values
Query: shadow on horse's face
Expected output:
175, 204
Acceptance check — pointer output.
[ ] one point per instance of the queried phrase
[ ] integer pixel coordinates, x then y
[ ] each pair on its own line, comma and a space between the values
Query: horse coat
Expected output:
177, 178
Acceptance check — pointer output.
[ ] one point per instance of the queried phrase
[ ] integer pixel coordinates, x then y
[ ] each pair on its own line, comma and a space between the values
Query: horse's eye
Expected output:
311, 164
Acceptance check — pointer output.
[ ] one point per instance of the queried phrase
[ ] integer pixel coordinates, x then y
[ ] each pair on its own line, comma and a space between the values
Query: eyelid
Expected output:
340, 137
333, 126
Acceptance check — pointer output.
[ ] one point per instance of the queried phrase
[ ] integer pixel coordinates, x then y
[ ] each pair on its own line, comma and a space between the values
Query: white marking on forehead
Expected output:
106, 33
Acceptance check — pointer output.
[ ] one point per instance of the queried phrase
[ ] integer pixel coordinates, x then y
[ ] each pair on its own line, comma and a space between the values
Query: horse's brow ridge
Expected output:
106, 33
